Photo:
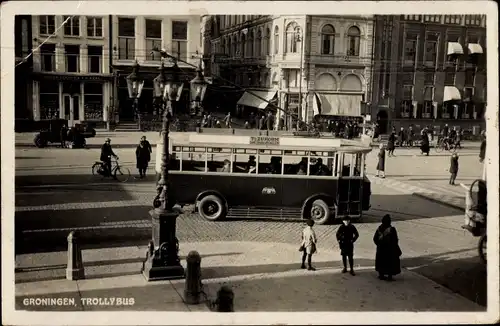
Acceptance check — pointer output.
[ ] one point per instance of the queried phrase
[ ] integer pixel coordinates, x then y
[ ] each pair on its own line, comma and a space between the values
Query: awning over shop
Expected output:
316, 104
455, 48
451, 93
339, 104
249, 99
475, 48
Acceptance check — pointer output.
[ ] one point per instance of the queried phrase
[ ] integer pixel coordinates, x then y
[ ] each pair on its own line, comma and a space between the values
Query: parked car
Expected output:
52, 133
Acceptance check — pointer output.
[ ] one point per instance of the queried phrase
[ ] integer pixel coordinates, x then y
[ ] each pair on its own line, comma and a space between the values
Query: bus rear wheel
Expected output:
212, 208
320, 212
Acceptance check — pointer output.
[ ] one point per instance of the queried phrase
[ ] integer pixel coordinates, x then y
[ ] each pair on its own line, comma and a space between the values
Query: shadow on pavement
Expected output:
115, 226
465, 276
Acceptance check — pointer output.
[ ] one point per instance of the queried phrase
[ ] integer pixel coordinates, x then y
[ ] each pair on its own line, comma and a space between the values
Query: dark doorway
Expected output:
383, 121
126, 110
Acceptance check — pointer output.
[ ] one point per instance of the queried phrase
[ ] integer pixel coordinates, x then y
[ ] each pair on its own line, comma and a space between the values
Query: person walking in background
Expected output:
143, 156
63, 135
347, 234
424, 143
261, 122
381, 162
391, 143
387, 258
269, 121
308, 245
401, 136
228, 120
453, 168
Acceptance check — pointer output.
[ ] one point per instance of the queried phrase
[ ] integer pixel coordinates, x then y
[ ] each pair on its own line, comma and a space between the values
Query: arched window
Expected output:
327, 40
267, 42
258, 42
250, 45
276, 40
353, 36
292, 38
243, 46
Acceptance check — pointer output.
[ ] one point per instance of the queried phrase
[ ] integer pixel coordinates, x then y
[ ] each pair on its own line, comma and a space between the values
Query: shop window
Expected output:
49, 100
93, 101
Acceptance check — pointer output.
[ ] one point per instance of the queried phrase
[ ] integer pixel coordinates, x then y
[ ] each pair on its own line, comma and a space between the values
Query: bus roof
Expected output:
269, 142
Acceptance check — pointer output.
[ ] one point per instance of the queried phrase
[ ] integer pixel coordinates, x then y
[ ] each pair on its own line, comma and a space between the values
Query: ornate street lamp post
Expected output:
198, 89
163, 252
135, 84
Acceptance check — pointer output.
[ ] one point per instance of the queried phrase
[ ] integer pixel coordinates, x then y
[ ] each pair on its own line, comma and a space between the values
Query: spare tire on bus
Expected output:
320, 212
212, 208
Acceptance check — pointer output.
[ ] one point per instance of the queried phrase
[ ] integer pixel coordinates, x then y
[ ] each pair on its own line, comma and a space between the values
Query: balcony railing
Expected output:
340, 59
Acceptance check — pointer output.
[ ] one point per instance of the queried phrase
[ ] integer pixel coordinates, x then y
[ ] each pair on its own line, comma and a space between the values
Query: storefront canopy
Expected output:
337, 104
451, 93
475, 48
248, 99
455, 48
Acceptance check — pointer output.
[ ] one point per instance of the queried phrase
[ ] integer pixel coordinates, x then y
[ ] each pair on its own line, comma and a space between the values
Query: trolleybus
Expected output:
271, 177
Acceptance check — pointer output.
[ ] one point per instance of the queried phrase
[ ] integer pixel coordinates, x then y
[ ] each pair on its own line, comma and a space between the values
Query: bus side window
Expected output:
219, 161
193, 161
357, 166
240, 163
295, 165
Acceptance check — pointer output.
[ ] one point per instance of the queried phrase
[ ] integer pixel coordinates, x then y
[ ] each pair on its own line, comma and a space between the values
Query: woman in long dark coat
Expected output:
143, 156
387, 262
391, 143
381, 162
424, 145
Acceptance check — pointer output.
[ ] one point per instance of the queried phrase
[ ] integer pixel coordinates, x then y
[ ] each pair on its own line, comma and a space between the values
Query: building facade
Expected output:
429, 70
139, 38
308, 65
71, 78
23, 67
80, 69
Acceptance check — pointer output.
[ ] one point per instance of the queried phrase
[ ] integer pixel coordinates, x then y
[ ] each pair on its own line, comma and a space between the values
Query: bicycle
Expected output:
118, 172
443, 143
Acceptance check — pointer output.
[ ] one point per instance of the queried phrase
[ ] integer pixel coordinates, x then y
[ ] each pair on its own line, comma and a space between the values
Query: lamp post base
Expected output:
163, 261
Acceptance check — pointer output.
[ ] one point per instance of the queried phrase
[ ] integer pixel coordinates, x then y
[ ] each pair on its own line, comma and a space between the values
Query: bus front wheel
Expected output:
212, 208
320, 212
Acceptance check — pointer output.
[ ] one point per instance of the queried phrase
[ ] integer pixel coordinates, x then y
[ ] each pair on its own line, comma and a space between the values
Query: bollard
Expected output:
74, 270
225, 298
192, 289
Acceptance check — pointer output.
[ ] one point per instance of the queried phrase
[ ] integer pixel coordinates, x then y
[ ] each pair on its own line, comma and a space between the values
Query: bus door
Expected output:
350, 186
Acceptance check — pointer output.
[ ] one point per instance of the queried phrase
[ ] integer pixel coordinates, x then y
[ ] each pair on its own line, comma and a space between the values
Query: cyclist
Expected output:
106, 154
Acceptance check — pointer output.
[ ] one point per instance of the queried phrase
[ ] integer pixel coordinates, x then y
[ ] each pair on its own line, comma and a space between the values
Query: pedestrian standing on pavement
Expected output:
63, 134
424, 143
387, 261
228, 120
143, 156
453, 168
391, 143
261, 122
381, 162
347, 234
308, 245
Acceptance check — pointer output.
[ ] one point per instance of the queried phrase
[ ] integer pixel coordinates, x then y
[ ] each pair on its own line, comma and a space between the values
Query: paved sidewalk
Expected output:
264, 277
454, 199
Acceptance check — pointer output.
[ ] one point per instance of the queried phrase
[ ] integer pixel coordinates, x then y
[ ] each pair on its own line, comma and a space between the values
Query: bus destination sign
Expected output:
263, 140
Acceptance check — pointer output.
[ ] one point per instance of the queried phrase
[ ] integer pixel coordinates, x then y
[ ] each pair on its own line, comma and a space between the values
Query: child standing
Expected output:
453, 168
308, 245
347, 234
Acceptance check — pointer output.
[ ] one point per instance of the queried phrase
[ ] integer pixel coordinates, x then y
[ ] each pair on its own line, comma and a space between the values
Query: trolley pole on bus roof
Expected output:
163, 252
